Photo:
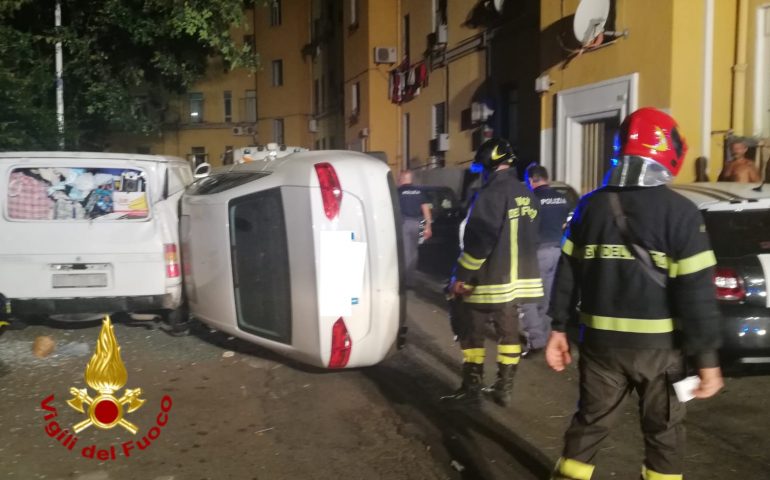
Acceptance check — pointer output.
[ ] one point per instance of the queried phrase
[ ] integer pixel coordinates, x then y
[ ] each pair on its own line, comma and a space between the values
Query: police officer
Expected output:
636, 255
496, 269
415, 209
553, 212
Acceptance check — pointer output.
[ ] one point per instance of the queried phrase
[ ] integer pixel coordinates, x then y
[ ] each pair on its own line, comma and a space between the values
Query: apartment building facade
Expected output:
703, 61
235, 108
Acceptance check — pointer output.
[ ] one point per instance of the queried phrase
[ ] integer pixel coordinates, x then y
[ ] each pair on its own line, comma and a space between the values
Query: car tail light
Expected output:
172, 260
729, 284
341, 345
331, 191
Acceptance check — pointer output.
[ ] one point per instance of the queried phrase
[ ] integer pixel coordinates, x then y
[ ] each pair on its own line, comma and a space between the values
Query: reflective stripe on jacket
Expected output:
499, 257
620, 304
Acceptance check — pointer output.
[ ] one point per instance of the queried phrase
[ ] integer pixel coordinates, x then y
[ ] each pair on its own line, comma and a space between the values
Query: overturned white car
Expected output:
299, 254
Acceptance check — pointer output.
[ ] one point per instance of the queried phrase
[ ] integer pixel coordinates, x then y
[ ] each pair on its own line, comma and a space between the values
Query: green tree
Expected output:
122, 61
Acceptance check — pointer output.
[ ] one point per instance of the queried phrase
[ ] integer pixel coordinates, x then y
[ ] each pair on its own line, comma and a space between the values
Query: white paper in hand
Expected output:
684, 388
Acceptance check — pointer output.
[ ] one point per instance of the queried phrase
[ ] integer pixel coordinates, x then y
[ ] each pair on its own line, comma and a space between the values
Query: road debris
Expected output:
228, 354
43, 346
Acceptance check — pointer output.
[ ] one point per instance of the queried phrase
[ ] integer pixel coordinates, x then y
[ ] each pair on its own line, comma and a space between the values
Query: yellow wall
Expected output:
465, 76
646, 50
377, 27
292, 101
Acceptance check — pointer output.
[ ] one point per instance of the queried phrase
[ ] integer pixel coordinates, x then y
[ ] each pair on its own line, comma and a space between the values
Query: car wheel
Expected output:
178, 321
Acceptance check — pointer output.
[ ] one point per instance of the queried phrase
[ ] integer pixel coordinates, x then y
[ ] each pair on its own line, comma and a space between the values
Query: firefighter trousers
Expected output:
475, 321
607, 376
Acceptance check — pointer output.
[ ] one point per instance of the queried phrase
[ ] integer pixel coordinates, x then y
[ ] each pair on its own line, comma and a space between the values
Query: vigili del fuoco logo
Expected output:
107, 375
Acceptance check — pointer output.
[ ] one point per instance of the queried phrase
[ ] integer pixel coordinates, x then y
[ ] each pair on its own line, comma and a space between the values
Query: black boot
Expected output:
503, 387
469, 393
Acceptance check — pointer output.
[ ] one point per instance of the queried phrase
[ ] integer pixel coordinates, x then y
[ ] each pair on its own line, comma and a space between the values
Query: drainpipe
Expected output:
708, 68
739, 69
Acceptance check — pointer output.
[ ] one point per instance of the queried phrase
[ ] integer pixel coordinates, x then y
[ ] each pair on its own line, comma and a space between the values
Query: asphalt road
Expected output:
237, 411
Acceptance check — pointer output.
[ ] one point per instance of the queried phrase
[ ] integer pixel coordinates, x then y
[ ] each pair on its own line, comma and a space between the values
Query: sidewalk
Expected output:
726, 435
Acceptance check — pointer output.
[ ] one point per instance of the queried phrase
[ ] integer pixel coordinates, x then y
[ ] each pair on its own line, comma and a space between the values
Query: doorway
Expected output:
587, 118
597, 140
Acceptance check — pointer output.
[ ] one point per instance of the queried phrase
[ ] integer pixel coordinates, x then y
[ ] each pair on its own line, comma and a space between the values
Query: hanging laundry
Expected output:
28, 198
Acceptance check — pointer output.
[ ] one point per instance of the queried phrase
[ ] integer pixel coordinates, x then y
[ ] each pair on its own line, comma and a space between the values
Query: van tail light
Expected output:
729, 284
341, 345
331, 191
172, 260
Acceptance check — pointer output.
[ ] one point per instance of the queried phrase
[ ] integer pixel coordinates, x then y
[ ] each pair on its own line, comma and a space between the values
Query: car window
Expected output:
441, 199
735, 234
68, 194
222, 181
260, 256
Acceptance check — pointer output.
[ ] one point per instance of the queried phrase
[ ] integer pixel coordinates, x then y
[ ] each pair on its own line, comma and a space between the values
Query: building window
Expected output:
405, 38
355, 99
439, 119
198, 155
278, 131
196, 107
277, 73
353, 13
250, 106
227, 158
275, 13
228, 106
317, 95
405, 138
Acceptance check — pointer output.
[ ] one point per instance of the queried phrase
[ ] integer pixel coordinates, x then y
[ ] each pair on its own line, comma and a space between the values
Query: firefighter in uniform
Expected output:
496, 269
636, 256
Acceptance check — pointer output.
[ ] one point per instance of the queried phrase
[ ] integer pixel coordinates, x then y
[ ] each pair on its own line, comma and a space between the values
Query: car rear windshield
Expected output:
219, 182
736, 234
61, 193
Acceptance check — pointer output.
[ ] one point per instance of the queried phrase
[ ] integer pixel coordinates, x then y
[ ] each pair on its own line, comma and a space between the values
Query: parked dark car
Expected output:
437, 255
738, 221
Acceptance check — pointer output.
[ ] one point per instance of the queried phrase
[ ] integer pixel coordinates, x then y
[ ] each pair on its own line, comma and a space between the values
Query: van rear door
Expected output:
80, 227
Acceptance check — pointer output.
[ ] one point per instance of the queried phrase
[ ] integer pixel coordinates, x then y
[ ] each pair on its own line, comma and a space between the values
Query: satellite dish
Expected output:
590, 17
498, 5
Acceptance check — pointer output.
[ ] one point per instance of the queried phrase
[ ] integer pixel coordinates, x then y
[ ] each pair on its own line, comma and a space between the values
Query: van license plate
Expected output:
79, 280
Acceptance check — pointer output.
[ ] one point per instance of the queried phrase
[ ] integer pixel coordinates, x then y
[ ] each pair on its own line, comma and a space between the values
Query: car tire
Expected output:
178, 321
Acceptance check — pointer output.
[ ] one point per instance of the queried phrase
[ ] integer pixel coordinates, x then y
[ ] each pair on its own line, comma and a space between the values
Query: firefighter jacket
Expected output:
499, 256
620, 305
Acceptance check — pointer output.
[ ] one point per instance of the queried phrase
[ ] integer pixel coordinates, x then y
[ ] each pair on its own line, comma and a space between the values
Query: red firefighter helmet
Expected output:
653, 134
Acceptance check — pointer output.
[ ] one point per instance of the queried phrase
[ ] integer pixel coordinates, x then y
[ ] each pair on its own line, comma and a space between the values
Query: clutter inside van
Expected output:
77, 194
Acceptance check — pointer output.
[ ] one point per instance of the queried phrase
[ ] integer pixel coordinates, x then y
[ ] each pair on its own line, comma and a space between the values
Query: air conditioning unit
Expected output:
250, 130
385, 55
442, 34
312, 125
238, 131
439, 144
442, 142
480, 112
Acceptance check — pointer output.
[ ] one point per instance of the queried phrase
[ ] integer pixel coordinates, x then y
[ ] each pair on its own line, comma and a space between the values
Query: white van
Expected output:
89, 233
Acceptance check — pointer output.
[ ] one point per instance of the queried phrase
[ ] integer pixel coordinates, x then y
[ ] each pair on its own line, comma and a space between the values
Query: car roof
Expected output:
92, 156
725, 195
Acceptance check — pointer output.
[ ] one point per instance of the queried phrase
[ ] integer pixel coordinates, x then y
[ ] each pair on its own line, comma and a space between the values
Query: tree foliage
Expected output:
122, 60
